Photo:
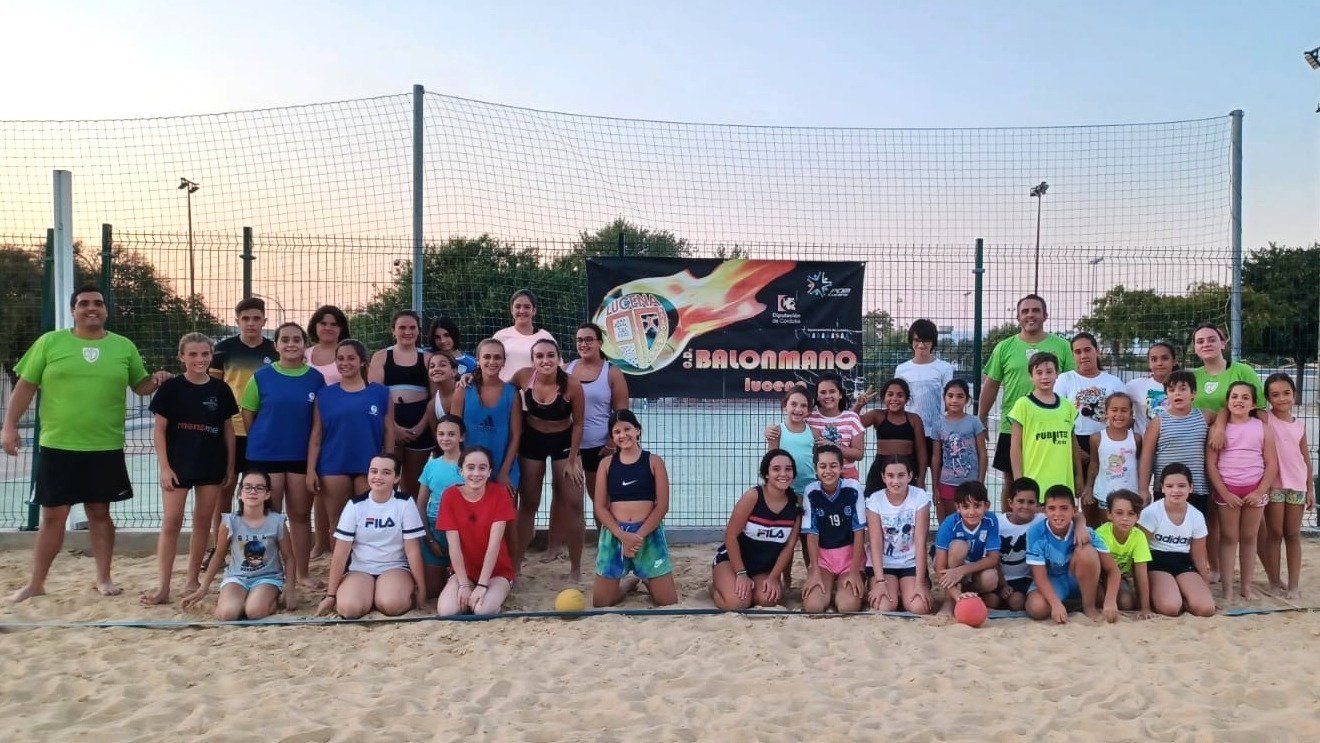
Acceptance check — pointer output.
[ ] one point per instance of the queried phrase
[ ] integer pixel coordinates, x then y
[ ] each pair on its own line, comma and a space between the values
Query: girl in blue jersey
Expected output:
795, 436
438, 474
758, 544
278, 410
352, 424
834, 523
489, 408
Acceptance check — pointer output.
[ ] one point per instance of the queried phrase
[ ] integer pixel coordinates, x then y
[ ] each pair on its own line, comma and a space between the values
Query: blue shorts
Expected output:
1065, 586
651, 561
250, 583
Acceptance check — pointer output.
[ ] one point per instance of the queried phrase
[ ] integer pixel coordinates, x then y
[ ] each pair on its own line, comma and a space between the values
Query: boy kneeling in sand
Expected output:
1062, 569
967, 547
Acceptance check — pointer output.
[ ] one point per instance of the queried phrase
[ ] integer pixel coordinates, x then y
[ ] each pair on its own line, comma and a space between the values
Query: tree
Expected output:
1290, 279
144, 307
884, 346
1125, 318
637, 241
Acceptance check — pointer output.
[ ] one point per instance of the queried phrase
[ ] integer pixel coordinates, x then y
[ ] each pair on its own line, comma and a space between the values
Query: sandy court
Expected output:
663, 678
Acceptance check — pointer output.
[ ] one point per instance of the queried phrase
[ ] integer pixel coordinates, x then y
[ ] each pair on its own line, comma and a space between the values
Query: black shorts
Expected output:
753, 568
900, 572
591, 458
278, 467
1173, 563
240, 455
1084, 442
188, 483
1020, 585
67, 477
537, 446
409, 414
1003, 459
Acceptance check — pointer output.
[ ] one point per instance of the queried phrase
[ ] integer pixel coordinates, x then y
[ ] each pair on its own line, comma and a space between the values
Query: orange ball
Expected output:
971, 611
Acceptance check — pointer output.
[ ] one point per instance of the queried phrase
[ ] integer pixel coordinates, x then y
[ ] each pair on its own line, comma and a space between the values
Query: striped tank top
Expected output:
1182, 440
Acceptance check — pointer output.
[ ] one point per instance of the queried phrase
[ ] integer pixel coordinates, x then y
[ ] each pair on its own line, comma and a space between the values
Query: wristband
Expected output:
482, 585
464, 585
741, 572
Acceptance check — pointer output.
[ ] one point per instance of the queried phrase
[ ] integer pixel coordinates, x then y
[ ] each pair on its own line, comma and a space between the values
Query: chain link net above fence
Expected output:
518, 198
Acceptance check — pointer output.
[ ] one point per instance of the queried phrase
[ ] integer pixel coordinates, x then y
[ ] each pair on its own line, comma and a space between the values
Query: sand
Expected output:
615, 678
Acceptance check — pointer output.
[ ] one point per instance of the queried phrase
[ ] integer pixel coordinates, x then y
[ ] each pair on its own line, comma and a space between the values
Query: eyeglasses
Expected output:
246, 488
580, 341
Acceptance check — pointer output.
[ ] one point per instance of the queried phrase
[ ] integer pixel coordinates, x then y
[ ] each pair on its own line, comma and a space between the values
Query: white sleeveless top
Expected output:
1116, 466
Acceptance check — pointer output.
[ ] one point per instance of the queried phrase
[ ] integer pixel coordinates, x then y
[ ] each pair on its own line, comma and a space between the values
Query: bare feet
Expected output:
554, 555
192, 586
154, 598
108, 588
629, 584
1248, 593
311, 584
1293, 594
1214, 577
25, 593
575, 576
1092, 613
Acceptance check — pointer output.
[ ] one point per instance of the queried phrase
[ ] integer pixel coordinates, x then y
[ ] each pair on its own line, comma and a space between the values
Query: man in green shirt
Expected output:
80, 459
1007, 369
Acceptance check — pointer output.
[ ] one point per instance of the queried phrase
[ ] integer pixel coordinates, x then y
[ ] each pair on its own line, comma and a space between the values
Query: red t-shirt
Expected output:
473, 522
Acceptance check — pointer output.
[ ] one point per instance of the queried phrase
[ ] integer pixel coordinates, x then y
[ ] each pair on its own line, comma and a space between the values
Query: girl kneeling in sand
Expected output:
758, 543
631, 500
261, 564
381, 529
475, 518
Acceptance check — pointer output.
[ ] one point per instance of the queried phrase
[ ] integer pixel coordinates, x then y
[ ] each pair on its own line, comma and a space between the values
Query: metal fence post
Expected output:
107, 266
1235, 233
977, 341
419, 100
620, 243
47, 324
247, 262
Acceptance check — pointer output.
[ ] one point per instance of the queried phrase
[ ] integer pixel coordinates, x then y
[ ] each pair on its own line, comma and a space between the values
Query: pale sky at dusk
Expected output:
841, 64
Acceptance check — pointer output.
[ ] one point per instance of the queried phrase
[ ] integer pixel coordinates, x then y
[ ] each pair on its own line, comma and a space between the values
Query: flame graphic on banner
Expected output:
648, 322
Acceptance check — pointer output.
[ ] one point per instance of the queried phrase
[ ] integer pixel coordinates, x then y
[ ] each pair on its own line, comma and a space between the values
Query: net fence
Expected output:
518, 198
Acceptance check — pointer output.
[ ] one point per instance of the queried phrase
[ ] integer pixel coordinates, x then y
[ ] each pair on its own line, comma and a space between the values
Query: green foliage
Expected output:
1128, 320
1290, 279
144, 307
472, 279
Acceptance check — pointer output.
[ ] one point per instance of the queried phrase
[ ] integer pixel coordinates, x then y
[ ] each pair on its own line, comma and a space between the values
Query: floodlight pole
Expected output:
1038, 193
188, 187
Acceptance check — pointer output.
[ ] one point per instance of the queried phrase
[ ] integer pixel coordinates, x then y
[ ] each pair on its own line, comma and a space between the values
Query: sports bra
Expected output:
413, 377
884, 430
631, 482
558, 409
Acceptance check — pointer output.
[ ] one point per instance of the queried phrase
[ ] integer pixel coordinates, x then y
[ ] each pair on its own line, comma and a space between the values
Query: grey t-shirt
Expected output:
255, 553
959, 459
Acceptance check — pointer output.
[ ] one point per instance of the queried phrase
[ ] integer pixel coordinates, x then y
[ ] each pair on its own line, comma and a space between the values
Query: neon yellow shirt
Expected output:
1047, 441
1135, 549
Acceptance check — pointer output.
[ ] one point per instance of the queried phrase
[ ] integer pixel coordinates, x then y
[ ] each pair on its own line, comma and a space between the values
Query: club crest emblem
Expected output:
90, 355
1210, 387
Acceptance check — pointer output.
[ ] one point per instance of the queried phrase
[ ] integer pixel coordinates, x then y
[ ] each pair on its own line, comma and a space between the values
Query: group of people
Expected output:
419, 468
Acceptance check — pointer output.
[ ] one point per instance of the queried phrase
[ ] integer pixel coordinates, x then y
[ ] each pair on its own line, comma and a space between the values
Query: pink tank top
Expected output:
330, 371
1288, 444
1242, 461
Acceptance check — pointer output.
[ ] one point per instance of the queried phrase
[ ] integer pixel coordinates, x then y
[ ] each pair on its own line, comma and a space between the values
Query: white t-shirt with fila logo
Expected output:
377, 531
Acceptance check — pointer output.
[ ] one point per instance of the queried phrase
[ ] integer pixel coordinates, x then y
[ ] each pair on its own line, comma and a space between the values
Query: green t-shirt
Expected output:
1135, 549
83, 383
251, 399
1047, 441
1212, 390
1008, 367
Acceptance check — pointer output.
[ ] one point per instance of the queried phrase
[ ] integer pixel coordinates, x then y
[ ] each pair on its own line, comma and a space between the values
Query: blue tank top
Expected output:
352, 428
284, 422
630, 482
489, 427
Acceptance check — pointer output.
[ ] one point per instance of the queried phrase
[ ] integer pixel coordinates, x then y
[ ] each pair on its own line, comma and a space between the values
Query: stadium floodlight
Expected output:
1038, 193
1313, 58
190, 187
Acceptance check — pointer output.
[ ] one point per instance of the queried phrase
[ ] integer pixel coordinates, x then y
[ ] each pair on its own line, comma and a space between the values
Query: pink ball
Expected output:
971, 611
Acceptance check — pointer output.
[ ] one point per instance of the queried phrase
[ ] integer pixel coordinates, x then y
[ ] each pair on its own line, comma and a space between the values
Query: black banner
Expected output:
712, 328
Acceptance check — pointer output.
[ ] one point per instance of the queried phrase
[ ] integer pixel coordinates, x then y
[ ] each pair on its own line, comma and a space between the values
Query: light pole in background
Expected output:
190, 188
1038, 193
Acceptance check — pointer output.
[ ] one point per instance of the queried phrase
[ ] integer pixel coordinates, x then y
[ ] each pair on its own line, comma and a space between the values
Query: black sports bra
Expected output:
558, 409
886, 431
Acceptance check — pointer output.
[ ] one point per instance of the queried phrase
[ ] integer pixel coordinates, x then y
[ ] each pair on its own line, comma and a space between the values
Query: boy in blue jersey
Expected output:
967, 547
1062, 569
